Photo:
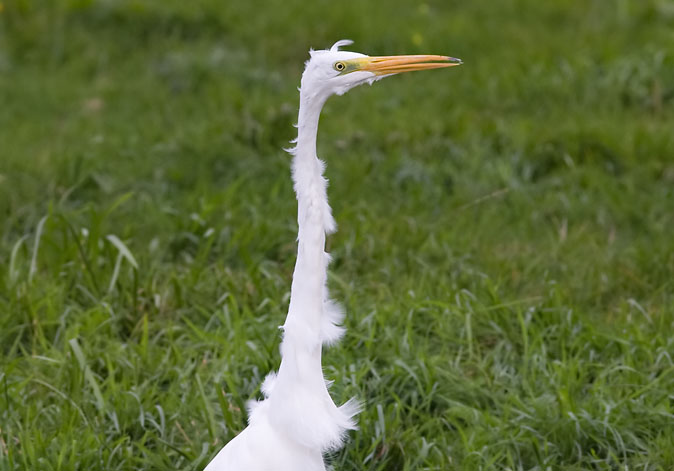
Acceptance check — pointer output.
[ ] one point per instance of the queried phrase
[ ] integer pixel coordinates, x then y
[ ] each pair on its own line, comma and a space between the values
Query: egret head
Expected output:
335, 72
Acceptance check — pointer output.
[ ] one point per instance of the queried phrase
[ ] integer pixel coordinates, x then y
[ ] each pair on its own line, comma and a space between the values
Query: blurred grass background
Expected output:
504, 255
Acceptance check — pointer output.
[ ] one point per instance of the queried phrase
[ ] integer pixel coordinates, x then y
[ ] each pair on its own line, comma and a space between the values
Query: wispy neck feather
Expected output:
307, 170
298, 420
299, 402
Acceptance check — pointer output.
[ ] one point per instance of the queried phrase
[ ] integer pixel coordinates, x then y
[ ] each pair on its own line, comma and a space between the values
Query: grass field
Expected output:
505, 252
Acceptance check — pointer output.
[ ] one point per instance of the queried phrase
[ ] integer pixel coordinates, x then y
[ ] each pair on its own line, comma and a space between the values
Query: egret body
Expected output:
297, 422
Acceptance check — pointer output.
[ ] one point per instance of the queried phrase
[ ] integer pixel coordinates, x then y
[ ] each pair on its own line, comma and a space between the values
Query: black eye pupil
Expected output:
340, 66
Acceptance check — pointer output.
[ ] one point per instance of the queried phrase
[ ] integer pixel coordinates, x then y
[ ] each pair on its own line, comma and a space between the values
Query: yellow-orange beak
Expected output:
385, 65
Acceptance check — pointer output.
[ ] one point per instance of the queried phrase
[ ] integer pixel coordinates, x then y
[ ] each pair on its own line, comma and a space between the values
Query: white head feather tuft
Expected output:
342, 42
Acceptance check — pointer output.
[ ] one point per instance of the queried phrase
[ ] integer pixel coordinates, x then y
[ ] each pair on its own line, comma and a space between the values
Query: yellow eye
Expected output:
339, 66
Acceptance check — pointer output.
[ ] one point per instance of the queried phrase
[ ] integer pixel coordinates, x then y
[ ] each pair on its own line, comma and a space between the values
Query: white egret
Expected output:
298, 421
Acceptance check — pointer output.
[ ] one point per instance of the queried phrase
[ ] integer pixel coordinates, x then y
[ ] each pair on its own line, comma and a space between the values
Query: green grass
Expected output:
505, 252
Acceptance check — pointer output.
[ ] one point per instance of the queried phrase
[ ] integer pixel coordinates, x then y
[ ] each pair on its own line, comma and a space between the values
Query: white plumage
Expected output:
297, 422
